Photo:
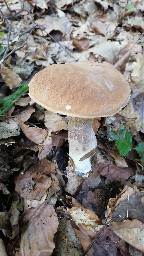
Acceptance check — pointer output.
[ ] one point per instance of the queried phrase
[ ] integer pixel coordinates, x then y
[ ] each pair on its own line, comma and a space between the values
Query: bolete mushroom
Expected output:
82, 91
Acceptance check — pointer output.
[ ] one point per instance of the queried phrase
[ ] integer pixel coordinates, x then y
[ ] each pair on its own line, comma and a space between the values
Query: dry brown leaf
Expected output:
102, 25
50, 24
108, 50
9, 128
35, 134
35, 182
85, 8
25, 114
133, 112
4, 219
55, 122
106, 243
113, 172
40, 3
119, 160
98, 27
2, 248
62, 3
23, 101
59, 138
85, 238
39, 234
96, 125
135, 22
87, 223
84, 218
10, 77
74, 182
81, 44
66, 241
44, 150
131, 231
104, 3
128, 204
137, 74
126, 192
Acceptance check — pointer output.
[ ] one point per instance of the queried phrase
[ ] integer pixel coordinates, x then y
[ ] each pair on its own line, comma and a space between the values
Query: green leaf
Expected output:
130, 7
122, 138
140, 150
1, 49
7, 102
2, 33
124, 143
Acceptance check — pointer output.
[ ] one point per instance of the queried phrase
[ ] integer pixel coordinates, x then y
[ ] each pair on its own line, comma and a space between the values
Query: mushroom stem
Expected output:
82, 140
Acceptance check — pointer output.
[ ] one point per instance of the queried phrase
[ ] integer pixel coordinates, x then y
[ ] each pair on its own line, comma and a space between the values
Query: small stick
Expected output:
64, 48
120, 62
8, 7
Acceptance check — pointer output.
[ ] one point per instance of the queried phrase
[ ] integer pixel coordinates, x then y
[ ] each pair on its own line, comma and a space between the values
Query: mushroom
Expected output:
82, 91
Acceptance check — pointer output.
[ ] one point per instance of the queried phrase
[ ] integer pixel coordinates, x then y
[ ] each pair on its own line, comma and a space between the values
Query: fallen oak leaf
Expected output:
127, 205
86, 223
10, 77
83, 217
55, 122
2, 248
125, 200
40, 3
35, 134
81, 44
9, 128
38, 237
34, 183
25, 114
113, 172
131, 231
49, 24
23, 102
67, 242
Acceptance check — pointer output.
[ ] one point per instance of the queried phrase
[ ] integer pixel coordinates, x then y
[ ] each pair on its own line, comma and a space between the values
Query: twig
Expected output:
98, 233
10, 11
6, 55
27, 31
121, 61
8, 41
61, 46
11, 52
22, 7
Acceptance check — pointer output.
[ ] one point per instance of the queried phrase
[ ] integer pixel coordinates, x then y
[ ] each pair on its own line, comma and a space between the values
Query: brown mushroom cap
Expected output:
81, 89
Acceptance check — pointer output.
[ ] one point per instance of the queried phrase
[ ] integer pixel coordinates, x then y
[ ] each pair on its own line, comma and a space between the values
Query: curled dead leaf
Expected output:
81, 44
35, 182
10, 77
55, 122
35, 134
38, 237
25, 114
2, 248
131, 231
113, 172
9, 128
83, 217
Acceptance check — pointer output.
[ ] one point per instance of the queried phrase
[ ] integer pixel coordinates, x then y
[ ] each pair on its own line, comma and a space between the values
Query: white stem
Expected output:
82, 140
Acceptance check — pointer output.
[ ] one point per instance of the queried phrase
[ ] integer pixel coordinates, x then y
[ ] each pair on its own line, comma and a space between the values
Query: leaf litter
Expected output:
45, 208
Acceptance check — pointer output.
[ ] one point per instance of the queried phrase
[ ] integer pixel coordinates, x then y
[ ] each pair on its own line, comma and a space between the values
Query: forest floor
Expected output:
45, 208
